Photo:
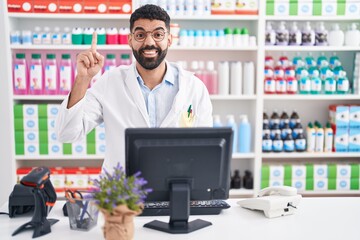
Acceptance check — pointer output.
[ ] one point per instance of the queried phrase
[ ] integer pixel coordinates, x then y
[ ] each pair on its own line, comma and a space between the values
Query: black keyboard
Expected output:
208, 207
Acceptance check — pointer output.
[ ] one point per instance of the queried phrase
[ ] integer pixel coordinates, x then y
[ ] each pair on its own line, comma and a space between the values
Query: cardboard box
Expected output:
320, 171
248, 7
57, 178
71, 6
354, 140
119, 6
223, 7
20, 6
340, 116
76, 178
95, 6
341, 140
299, 184
45, 6
52, 110
354, 117
55, 148
298, 172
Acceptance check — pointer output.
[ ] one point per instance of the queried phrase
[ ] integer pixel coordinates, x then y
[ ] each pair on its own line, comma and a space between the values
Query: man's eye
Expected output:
140, 35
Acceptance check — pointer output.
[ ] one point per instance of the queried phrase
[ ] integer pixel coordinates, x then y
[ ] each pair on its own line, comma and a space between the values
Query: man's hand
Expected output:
89, 62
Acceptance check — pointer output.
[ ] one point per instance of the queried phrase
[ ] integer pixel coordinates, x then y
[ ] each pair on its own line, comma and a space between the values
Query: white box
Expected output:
100, 148
343, 171
30, 111
31, 124
299, 184
343, 184
31, 149
276, 172
281, 7
352, 8
52, 137
298, 172
55, 148
51, 124
99, 136
320, 184
52, 110
31, 136
79, 148
305, 8
276, 182
329, 8
320, 171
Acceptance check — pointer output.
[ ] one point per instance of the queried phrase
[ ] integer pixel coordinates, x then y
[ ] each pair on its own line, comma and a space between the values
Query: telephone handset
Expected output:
278, 190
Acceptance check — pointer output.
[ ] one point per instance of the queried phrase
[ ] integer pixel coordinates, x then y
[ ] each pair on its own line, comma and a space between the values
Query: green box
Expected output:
19, 124
293, 8
354, 184
265, 173
43, 124
270, 8
19, 148
90, 137
264, 184
354, 170
44, 149
91, 148
331, 184
309, 184
42, 111
341, 7
67, 148
288, 182
19, 136
332, 171
310, 171
287, 172
317, 7
18, 111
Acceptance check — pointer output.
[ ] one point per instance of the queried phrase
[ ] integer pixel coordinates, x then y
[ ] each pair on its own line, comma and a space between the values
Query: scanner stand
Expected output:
179, 212
39, 222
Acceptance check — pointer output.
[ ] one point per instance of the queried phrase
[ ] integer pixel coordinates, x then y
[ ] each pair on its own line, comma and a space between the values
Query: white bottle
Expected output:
46, 36
319, 139
308, 35
66, 36
310, 137
235, 78
249, 78
270, 35
329, 137
336, 36
352, 36
224, 78
36, 37
189, 8
56, 36
294, 35
231, 123
217, 121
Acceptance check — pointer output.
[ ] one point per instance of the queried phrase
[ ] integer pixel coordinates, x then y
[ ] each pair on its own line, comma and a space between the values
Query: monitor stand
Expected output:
179, 212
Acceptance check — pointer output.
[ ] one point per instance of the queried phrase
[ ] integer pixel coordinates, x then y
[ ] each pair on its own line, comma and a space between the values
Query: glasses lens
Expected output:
140, 35
157, 35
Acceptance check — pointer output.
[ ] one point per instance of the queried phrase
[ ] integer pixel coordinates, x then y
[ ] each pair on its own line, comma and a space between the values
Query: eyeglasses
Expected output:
157, 34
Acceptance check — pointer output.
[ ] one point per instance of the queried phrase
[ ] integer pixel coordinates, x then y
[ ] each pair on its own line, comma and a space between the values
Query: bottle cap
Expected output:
227, 31
237, 31
244, 31
65, 56
210, 65
125, 56
50, 56
20, 55
110, 56
35, 56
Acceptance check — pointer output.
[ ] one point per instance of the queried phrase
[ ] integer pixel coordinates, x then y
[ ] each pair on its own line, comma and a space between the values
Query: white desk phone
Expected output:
274, 201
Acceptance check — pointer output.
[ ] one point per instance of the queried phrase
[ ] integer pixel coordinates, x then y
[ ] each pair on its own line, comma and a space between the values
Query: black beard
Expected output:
149, 63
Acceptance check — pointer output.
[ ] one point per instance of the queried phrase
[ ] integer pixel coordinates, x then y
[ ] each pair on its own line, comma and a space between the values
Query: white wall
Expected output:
7, 163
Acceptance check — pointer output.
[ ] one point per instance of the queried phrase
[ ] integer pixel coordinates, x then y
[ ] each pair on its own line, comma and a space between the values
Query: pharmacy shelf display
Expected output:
253, 105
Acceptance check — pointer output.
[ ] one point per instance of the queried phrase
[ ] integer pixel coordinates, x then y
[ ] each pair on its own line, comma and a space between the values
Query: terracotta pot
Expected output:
119, 225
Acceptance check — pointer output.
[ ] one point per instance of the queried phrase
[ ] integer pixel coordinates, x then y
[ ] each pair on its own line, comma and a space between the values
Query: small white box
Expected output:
354, 140
352, 8
298, 172
341, 140
305, 8
31, 149
100, 148
79, 148
55, 148
30, 111
343, 171
320, 184
320, 171
31, 136
276, 172
99, 136
276, 182
51, 124
329, 8
31, 124
299, 184
52, 137
281, 7
343, 184
52, 110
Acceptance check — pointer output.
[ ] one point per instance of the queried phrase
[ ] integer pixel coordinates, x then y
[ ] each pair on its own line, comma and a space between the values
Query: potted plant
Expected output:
120, 198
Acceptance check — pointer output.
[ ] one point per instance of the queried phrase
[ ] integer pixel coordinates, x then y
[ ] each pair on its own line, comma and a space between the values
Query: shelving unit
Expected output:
252, 105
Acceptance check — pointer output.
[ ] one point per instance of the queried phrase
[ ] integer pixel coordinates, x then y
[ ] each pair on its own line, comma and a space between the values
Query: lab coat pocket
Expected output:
186, 119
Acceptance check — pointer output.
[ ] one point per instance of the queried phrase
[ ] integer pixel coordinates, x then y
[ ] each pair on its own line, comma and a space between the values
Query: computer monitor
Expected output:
181, 164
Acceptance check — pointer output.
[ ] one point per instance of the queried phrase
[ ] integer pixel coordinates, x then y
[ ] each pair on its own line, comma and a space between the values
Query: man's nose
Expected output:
149, 39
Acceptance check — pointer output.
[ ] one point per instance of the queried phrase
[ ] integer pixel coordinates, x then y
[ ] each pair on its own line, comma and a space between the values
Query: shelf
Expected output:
311, 97
68, 47
250, 48
242, 192
310, 155
310, 48
39, 97
312, 18
229, 17
232, 97
60, 157
69, 16
329, 193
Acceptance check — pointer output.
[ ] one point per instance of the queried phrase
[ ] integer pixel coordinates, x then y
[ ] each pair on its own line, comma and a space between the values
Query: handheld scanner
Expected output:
36, 178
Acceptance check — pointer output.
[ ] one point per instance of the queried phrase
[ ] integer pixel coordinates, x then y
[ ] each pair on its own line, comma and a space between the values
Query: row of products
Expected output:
52, 76
234, 78
344, 120
35, 135
228, 37
356, 76
77, 178
241, 132
308, 36
305, 76
312, 177
312, 8
283, 133
70, 6
76, 36
247, 181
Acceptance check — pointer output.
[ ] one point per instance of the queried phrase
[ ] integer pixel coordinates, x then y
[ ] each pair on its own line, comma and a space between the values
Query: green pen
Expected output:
189, 111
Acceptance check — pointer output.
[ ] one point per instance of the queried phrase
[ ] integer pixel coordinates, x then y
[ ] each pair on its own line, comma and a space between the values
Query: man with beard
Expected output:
151, 92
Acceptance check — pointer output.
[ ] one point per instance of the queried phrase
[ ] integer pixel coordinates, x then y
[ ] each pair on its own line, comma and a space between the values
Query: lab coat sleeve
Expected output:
73, 124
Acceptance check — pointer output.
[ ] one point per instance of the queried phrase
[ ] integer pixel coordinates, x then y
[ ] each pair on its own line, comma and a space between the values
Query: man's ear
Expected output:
170, 37
129, 40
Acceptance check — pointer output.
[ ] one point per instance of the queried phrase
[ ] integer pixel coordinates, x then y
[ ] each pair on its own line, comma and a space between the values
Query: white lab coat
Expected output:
116, 99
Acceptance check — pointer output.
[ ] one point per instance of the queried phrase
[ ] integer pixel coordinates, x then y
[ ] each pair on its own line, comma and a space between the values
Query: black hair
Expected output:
151, 12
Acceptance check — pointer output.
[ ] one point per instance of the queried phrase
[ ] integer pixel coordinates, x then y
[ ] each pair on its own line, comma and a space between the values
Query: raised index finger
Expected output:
94, 41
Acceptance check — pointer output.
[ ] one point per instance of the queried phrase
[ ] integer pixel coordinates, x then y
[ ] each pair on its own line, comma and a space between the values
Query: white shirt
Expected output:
116, 99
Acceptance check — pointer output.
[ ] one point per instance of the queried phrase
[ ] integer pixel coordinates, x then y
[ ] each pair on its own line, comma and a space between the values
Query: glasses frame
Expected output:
151, 33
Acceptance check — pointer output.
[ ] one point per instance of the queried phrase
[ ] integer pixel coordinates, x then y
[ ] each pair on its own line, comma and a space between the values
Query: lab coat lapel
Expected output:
135, 91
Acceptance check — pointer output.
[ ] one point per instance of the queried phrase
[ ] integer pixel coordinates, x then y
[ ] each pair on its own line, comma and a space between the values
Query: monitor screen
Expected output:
181, 164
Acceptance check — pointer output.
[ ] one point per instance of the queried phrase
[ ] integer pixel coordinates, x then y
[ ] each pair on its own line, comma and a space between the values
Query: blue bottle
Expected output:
217, 121
244, 135
231, 123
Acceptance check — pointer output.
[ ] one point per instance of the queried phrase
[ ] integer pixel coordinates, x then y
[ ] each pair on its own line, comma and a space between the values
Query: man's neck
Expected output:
154, 77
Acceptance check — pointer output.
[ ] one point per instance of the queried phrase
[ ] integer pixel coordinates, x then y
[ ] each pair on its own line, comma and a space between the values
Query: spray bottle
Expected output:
329, 137
311, 137
319, 140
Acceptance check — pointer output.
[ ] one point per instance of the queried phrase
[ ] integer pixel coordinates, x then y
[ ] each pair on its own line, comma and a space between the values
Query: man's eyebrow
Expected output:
141, 28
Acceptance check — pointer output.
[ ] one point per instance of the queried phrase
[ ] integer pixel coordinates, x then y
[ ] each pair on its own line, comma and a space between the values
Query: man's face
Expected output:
147, 44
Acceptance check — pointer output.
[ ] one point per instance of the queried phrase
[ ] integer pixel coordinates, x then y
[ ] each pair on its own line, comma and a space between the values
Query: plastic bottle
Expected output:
235, 78
329, 138
206, 38
87, 35
282, 35
110, 62
244, 135
269, 86
275, 129
249, 78
36, 80
266, 129
285, 130
65, 74
199, 38
248, 180
274, 119
308, 35
330, 83
20, 79
265, 118
297, 130
77, 36
212, 78
289, 145
269, 61
268, 70
15, 38
244, 37
217, 121
352, 36
112, 35
316, 84
278, 144
279, 70
56, 36
50, 75
189, 8
26, 37
321, 35
66, 36
46, 36
101, 35
191, 38
319, 140
334, 61
125, 59
231, 123
280, 85
291, 81
304, 83
270, 35
224, 78
311, 137
183, 38
343, 84
284, 118
228, 37
300, 143
266, 143
236, 180
294, 119
336, 36
294, 35
37, 36
237, 40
